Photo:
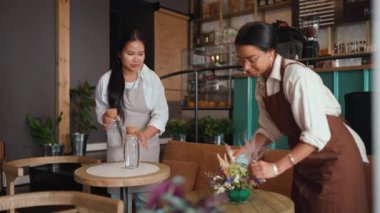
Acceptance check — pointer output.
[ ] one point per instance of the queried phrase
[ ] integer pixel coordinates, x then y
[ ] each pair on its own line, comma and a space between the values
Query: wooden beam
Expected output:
170, 38
63, 71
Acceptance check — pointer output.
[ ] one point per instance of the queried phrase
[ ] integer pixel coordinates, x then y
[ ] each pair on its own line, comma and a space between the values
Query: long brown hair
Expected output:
116, 83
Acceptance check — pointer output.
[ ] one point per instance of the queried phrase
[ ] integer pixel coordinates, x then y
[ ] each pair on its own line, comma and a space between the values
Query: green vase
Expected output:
239, 195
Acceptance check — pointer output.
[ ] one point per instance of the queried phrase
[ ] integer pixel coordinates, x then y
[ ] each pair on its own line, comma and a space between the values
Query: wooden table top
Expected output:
82, 176
260, 201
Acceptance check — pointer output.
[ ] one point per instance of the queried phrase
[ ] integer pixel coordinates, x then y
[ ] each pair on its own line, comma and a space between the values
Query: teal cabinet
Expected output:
245, 110
344, 82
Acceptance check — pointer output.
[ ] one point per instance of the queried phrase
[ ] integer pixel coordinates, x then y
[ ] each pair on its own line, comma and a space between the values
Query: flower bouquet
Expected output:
233, 177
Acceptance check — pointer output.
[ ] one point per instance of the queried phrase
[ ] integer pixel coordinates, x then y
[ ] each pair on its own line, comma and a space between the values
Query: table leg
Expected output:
127, 199
87, 188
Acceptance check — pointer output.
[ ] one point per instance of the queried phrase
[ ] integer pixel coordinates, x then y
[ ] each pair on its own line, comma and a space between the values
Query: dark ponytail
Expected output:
258, 34
116, 84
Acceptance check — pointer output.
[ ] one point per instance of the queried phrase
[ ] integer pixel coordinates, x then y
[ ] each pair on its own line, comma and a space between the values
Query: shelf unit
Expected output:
208, 91
198, 20
247, 12
217, 51
207, 108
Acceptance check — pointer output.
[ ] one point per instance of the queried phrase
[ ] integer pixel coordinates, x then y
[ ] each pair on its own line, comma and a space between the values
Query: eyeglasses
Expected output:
252, 60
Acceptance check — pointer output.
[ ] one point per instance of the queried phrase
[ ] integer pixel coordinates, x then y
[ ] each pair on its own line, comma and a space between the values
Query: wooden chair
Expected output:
14, 169
83, 202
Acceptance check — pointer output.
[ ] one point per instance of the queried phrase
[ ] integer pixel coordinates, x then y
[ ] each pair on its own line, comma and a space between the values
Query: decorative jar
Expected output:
239, 195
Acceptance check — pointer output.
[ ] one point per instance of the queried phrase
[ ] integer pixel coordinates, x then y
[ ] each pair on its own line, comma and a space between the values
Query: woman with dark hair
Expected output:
138, 95
326, 154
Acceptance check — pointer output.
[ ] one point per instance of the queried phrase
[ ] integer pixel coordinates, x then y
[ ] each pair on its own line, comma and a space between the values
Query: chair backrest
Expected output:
358, 113
14, 169
197, 154
83, 202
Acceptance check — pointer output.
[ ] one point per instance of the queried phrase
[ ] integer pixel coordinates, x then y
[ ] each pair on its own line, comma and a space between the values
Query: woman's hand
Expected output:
106, 121
143, 139
264, 170
108, 117
145, 135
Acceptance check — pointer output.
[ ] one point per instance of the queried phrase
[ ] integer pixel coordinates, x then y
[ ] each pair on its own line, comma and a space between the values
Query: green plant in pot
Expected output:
43, 132
82, 102
177, 129
214, 130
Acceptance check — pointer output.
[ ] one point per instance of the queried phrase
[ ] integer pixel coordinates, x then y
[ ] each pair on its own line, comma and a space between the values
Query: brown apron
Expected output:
331, 180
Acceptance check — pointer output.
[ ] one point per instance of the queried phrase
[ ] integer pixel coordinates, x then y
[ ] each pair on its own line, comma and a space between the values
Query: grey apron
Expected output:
137, 114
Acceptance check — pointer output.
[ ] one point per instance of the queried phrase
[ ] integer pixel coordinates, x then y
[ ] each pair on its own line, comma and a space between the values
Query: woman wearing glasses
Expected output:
326, 154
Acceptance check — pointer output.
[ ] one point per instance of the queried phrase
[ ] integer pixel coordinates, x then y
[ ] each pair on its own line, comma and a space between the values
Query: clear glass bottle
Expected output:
131, 149
114, 130
114, 136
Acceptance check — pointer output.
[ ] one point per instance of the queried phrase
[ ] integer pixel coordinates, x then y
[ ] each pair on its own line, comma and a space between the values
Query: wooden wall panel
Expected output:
63, 71
171, 38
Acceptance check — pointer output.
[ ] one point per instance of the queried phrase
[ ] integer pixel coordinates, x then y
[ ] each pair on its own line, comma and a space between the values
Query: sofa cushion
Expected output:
182, 151
210, 164
188, 170
204, 155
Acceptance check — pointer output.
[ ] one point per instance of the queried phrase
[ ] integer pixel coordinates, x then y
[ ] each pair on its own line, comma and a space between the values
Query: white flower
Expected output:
237, 179
220, 190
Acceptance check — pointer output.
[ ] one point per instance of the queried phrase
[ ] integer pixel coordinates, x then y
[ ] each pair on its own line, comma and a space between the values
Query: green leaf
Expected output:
42, 131
82, 107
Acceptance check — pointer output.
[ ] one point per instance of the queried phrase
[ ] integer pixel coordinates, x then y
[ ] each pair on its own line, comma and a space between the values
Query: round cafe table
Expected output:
260, 201
116, 175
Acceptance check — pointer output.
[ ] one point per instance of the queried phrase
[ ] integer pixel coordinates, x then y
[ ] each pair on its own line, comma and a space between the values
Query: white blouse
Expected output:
154, 94
310, 101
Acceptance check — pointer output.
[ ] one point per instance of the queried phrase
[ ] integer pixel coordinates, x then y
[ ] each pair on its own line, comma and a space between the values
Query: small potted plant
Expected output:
44, 133
82, 120
214, 130
177, 129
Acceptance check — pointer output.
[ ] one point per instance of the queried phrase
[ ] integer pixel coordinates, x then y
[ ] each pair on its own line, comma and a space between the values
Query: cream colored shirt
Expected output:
310, 101
154, 95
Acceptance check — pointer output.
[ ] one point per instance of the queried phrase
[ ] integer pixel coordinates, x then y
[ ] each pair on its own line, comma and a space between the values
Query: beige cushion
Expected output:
188, 170
182, 151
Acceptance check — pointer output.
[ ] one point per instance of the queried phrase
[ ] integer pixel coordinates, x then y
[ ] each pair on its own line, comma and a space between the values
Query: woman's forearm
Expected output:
262, 169
295, 155
150, 131
147, 133
261, 140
